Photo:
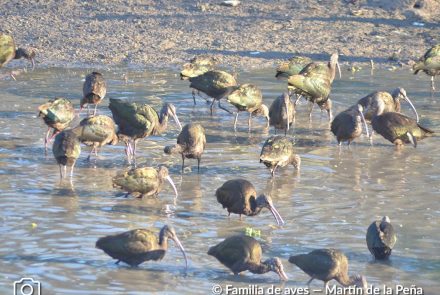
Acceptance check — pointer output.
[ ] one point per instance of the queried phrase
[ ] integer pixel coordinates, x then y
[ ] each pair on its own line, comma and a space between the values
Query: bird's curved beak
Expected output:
286, 102
365, 123
172, 184
179, 244
276, 215
176, 119
282, 274
413, 107
339, 70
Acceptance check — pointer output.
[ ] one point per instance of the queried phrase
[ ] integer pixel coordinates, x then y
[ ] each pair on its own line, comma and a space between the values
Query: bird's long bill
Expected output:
413, 108
365, 124
277, 215
339, 70
179, 244
286, 102
282, 274
177, 121
172, 184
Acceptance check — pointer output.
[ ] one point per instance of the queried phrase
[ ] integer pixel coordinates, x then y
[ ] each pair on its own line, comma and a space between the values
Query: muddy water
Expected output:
49, 228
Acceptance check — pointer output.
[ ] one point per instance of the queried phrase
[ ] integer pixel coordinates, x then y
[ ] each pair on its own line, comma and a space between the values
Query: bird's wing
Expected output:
95, 84
7, 48
133, 242
247, 96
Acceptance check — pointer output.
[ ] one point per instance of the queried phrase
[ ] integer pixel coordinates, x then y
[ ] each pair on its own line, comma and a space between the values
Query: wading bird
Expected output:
97, 131
429, 63
381, 238
139, 245
347, 125
197, 66
215, 84
327, 265
292, 67
94, 90
241, 253
66, 150
57, 114
191, 144
282, 113
278, 151
240, 197
137, 121
8, 51
314, 82
143, 182
248, 97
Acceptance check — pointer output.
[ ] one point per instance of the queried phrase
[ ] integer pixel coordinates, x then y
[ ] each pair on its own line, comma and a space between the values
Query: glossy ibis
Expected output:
314, 82
347, 125
248, 97
282, 113
137, 121
381, 238
386, 101
97, 131
8, 51
191, 144
146, 181
94, 90
215, 84
429, 63
66, 149
240, 253
57, 114
327, 265
278, 151
240, 197
292, 67
139, 245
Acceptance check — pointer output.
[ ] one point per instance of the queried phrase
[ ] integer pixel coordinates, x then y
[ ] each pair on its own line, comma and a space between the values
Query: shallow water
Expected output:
338, 193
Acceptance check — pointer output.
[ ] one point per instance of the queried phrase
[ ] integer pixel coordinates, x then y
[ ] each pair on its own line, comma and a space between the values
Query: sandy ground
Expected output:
156, 33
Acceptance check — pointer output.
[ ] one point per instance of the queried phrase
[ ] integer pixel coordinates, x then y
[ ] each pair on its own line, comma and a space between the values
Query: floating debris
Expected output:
255, 233
230, 3
417, 24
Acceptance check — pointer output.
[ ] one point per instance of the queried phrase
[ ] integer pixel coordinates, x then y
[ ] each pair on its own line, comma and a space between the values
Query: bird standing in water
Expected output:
278, 151
381, 238
8, 51
282, 113
429, 63
240, 197
241, 253
94, 90
347, 125
139, 245
191, 144
66, 150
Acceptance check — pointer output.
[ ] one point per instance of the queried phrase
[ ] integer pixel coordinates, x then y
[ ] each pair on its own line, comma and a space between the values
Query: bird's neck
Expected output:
397, 105
163, 123
257, 268
332, 68
163, 243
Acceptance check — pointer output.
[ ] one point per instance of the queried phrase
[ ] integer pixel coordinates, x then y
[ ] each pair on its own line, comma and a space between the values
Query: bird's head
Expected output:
168, 232
400, 93
168, 109
28, 54
188, 71
265, 201
276, 266
172, 149
163, 174
334, 62
386, 219
359, 281
262, 111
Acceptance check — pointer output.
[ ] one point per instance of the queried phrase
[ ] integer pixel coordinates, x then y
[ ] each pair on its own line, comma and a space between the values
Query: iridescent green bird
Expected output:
8, 51
215, 84
137, 121
327, 265
282, 113
191, 144
139, 245
292, 67
429, 63
241, 253
94, 90
97, 131
248, 98
66, 150
57, 114
143, 182
314, 82
198, 66
278, 151
347, 125
381, 238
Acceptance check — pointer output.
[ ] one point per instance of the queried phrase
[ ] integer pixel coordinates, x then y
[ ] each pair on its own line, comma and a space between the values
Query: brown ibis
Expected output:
139, 245
282, 113
327, 265
278, 151
347, 125
146, 181
66, 150
57, 114
248, 97
215, 84
314, 82
137, 121
94, 90
191, 144
429, 63
240, 197
8, 51
292, 67
240, 253
381, 238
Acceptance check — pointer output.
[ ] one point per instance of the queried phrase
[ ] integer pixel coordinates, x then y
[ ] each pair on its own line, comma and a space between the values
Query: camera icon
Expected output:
27, 286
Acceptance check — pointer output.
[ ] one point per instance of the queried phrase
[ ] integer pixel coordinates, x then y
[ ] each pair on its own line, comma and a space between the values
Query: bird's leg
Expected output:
71, 170
117, 262
96, 107
250, 121
134, 152
126, 195
223, 108
235, 121
198, 164
273, 170
212, 105
46, 139
239, 217
88, 110
55, 132
310, 110
311, 279
65, 170
298, 97
371, 137
432, 84
96, 151
330, 115
61, 171
90, 154
194, 95
183, 162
